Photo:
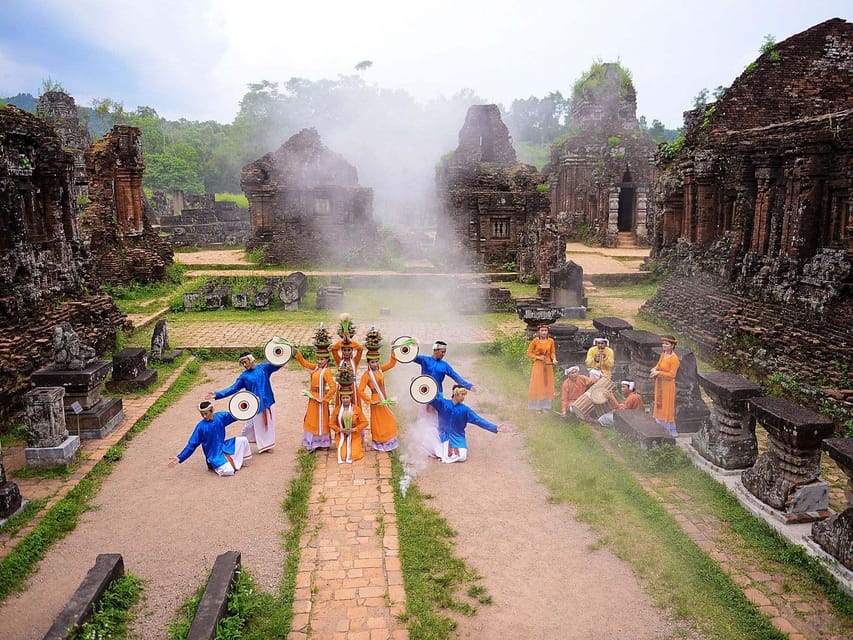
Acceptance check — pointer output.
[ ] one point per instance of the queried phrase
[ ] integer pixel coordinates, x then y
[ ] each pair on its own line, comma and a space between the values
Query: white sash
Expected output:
376, 386
346, 438
321, 394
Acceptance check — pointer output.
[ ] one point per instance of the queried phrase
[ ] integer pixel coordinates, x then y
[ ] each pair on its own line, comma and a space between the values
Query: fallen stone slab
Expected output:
214, 600
81, 605
640, 427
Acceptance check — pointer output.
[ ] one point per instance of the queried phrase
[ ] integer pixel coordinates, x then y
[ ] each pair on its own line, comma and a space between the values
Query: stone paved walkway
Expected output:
349, 584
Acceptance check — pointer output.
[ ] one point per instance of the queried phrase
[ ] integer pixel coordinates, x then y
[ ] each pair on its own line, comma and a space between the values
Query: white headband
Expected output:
604, 340
572, 370
628, 384
439, 345
204, 405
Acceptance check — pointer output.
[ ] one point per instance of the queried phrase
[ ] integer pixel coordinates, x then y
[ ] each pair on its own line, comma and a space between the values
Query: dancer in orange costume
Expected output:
316, 423
663, 373
383, 425
348, 421
540, 395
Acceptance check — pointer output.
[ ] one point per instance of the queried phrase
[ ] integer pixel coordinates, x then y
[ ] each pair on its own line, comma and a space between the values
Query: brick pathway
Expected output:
350, 583
91, 453
238, 335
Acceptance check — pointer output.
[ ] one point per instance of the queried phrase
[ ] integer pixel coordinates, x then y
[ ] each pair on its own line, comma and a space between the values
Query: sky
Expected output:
193, 59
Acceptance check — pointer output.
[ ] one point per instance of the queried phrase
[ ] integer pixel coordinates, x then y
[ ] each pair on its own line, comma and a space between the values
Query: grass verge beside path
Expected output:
578, 470
432, 575
62, 518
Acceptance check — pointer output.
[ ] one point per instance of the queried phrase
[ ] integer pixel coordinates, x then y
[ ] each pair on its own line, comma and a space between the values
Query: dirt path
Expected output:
535, 559
171, 523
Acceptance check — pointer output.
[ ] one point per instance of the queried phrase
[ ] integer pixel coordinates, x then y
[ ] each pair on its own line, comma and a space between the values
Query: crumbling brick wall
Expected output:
495, 210
753, 219
44, 265
115, 223
307, 208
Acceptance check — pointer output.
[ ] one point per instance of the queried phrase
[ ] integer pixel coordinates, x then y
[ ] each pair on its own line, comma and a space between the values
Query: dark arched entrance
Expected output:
626, 203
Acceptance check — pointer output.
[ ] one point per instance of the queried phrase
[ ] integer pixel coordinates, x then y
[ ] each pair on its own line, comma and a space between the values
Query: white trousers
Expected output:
443, 453
242, 452
260, 429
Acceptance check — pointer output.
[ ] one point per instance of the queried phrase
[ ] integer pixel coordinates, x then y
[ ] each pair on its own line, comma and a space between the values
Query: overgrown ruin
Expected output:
44, 264
59, 110
753, 221
198, 219
602, 173
122, 242
495, 209
307, 208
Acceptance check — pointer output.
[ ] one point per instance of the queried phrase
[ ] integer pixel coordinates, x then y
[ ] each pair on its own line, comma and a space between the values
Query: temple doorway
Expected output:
627, 192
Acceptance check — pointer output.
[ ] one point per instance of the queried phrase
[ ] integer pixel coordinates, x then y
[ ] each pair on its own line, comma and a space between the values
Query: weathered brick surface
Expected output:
307, 206
753, 220
494, 212
44, 265
122, 242
601, 176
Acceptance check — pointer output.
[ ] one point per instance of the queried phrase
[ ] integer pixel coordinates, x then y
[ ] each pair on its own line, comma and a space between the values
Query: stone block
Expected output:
52, 457
638, 426
214, 600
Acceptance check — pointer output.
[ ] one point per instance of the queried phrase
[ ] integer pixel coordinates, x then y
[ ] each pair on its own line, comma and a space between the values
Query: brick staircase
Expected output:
627, 240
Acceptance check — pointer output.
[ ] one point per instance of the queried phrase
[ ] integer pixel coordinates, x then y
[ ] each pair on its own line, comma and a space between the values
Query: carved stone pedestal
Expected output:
99, 415
48, 442
835, 534
640, 345
727, 437
786, 476
130, 371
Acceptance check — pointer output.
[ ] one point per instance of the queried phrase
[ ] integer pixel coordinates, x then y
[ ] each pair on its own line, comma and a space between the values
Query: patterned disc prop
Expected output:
405, 349
243, 405
278, 352
423, 389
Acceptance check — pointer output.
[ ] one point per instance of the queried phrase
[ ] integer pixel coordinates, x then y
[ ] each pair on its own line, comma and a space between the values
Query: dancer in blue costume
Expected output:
453, 418
260, 428
225, 457
437, 368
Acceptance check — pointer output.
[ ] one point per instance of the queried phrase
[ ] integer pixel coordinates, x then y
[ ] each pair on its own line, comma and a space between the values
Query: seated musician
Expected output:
632, 400
572, 388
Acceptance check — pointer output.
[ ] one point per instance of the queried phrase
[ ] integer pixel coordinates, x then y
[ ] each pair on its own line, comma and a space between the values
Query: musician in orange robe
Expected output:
663, 373
572, 388
543, 352
632, 400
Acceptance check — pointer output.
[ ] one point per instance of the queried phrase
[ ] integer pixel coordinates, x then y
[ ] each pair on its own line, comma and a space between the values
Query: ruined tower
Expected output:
307, 208
600, 175
495, 209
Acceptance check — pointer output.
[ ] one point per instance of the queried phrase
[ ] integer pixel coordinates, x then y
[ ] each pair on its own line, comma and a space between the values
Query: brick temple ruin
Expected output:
495, 209
59, 110
307, 207
188, 219
753, 221
45, 271
123, 244
602, 174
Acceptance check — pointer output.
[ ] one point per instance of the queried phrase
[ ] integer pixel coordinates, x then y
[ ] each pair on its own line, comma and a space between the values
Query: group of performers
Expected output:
335, 417
600, 360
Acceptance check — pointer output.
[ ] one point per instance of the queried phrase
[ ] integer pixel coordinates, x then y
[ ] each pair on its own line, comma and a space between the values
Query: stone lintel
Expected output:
730, 388
611, 325
637, 425
214, 600
788, 420
71, 379
107, 568
840, 450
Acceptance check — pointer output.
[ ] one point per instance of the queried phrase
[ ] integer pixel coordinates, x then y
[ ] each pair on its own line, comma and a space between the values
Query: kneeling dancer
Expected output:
224, 457
453, 418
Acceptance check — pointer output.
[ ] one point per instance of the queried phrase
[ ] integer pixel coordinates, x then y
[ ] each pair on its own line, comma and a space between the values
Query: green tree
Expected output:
163, 171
